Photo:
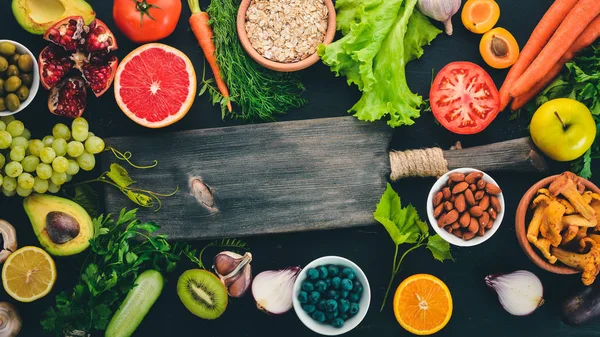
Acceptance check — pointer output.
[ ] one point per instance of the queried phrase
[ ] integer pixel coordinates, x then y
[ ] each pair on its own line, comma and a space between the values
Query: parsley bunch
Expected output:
117, 257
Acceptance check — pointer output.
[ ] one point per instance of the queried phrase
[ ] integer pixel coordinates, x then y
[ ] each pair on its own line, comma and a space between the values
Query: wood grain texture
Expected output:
266, 178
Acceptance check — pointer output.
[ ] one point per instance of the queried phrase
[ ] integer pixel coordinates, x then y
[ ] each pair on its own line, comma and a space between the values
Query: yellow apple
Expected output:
563, 129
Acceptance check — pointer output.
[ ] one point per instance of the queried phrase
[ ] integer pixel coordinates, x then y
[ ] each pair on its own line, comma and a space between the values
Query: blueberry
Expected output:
337, 322
343, 316
314, 297
353, 308
344, 293
344, 306
318, 316
302, 297
359, 290
321, 286
312, 274
322, 272
346, 284
336, 282
328, 282
331, 305
333, 270
307, 286
355, 286
348, 273
332, 294
321, 305
354, 297
332, 314
309, 308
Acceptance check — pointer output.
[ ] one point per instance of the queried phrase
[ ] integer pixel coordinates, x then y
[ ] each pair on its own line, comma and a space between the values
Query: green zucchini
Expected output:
136, 305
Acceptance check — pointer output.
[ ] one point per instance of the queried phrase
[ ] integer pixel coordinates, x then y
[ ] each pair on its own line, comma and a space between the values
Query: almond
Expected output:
437, 198
438, 211
468, 236
484, 219
481, 231
492, 189
476, 211
448, 229
458, 233
453, 198
481, 184
469, 197
490, 224
450, 217
493, 213
495, 204
473, 226
460, 204
455, 225
473, 187
441, 221
479, 195
448, 205
485, 202
460, 187
456, 177
446, 193
473, 177
465, 219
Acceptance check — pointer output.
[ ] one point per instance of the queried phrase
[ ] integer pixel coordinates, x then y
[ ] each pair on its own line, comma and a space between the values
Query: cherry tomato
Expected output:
146, 20
463, 98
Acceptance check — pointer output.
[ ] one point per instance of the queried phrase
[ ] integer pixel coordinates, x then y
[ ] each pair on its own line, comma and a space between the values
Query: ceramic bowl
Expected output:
451, 238
279, 66
524, 216
351, 323
36, 79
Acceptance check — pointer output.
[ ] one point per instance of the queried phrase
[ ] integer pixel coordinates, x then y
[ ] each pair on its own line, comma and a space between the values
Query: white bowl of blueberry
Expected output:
331, 295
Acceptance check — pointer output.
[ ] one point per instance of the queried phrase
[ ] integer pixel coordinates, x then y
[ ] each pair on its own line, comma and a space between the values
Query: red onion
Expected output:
519, 292
273, 290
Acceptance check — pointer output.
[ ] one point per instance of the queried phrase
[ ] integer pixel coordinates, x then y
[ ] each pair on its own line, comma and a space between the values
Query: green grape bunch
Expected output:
44, 165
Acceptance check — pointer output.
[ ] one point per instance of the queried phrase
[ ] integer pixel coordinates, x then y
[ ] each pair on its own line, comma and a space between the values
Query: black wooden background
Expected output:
476, 309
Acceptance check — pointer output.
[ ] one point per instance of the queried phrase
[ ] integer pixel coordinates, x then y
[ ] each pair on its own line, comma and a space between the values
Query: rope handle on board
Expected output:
418, 163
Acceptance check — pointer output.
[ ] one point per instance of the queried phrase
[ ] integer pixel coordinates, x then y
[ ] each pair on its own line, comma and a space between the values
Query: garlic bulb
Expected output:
234, 271
440, 10
519, 292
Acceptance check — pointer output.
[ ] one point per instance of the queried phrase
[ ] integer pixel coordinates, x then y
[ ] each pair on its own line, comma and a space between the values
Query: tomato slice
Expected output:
463, 98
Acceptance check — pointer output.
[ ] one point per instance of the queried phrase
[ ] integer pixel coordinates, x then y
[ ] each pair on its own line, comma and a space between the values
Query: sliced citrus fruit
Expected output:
423, 304
155, 85
28, 274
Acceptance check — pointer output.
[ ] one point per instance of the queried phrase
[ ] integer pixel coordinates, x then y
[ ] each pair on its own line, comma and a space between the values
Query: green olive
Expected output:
12, 84
7, 48
2, 105
25, 63
22, 93
1, 87
27, 79
3, 64
12, 102
12, 70
14, 59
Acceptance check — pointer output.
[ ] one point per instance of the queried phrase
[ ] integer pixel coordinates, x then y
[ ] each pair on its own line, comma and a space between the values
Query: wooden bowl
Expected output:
524, 215
279, 66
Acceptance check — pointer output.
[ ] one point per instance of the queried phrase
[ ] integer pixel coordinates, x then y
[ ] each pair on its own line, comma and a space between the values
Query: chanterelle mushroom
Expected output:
588, 263
9, 240
566, 186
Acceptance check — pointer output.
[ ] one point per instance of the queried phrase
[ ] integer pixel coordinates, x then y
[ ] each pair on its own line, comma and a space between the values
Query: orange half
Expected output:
423, 304
28, 274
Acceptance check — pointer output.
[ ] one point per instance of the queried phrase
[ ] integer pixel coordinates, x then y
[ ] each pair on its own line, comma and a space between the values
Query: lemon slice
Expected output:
28, 274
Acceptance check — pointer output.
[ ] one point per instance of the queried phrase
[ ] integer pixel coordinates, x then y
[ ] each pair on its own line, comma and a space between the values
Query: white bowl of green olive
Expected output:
19, 77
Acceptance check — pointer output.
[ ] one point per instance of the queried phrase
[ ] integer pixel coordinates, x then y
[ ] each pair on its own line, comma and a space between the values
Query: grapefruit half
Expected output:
155, 85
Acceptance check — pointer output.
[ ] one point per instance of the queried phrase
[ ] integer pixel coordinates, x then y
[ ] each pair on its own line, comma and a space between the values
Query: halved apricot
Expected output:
499, 48
479, 16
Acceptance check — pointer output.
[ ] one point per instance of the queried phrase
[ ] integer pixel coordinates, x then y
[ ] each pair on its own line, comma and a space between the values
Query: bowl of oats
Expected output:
283, 35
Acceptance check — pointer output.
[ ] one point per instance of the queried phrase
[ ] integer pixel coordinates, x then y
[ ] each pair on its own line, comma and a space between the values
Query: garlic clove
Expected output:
226, 262
234, 271
239, 286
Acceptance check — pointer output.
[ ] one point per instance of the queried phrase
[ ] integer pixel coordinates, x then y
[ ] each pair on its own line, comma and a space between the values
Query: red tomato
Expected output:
463, 98
146, 20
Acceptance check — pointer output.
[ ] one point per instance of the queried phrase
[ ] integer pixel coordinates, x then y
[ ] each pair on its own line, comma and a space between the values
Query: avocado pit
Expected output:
61, 227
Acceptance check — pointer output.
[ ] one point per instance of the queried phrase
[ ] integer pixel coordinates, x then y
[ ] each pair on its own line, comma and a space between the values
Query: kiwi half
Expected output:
202, 293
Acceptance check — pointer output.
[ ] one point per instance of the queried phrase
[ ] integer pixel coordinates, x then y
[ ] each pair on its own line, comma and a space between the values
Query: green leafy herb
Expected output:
379, 39
120, 250
579, 80
118, 177
259, 93
195, 256
404, 226
86, 197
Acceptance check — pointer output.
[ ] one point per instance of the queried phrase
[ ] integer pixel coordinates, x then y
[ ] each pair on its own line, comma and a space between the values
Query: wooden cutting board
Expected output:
277, 177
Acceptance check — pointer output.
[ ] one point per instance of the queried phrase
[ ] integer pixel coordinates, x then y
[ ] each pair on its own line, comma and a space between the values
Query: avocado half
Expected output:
61, 225
36, 16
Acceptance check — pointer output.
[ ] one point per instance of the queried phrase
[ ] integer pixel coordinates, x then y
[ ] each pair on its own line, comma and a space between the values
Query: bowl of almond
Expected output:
465, 207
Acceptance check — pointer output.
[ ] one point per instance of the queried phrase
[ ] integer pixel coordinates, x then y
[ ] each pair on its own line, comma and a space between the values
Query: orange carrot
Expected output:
576, 21
586, 38
540, 35
204, 34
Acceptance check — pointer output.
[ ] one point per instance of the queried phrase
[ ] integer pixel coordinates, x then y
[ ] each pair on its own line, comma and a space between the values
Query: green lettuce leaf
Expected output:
440, 248
402, 223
